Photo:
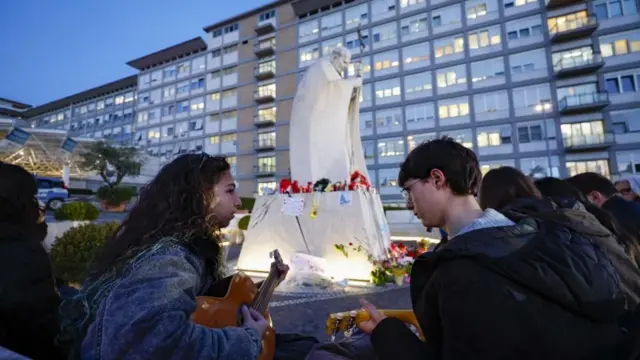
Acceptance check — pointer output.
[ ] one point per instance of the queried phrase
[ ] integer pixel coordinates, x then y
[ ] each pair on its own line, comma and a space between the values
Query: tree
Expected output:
112, 163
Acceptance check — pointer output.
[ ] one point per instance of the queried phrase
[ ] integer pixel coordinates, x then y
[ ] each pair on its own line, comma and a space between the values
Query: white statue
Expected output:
324, 134
324, 143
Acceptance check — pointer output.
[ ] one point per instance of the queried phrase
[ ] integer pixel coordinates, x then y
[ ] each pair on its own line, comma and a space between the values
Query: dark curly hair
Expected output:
19, 207
174, 203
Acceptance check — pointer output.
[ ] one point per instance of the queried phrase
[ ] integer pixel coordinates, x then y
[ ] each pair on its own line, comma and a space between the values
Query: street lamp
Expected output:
544, 108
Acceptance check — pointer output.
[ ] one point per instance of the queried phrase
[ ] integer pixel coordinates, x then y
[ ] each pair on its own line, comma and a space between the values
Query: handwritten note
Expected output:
293, 206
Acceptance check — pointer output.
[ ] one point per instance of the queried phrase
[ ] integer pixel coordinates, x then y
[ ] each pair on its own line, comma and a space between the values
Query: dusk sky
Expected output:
50, 49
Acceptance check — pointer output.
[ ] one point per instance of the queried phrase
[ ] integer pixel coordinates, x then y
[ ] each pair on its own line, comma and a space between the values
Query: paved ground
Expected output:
309, 316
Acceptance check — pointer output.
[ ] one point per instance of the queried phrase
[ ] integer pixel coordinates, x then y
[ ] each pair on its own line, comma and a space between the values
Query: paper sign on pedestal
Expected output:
292, 206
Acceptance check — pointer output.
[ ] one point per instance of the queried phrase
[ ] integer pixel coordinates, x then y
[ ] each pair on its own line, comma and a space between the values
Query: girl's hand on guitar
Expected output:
254, 319
283, 270
368, 326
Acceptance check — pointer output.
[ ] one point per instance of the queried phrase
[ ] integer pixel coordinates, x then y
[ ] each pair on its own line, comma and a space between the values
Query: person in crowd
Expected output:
516, 196
497, 289
602, 193
562, 190
138, 300
629, 188
28, 298
501, 186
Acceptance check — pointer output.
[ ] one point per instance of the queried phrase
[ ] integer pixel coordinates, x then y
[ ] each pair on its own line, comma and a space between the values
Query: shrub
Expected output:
72, 252
77, 211
247, 203
243, 223
115, 196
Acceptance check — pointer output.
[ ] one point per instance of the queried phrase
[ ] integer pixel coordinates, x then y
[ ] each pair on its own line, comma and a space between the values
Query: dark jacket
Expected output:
572, 214
28, 298
530, 291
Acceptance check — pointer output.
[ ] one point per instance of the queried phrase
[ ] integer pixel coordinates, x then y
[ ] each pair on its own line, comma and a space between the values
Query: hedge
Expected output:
77, 211
243, 224
73, 252
247, 203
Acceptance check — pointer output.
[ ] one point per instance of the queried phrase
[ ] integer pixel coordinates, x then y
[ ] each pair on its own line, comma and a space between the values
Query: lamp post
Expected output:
544, 108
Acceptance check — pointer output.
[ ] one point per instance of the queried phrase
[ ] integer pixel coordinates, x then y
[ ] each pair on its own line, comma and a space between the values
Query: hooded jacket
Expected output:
573, 215
535, 290
28, 297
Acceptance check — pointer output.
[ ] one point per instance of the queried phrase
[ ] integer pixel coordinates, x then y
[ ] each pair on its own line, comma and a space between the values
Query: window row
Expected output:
520, 32
442, 19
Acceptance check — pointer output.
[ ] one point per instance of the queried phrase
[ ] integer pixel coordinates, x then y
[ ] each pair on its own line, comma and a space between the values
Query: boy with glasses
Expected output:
496, 290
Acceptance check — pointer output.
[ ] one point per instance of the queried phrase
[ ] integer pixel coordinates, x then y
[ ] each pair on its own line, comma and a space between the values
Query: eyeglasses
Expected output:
406, 191
625, 191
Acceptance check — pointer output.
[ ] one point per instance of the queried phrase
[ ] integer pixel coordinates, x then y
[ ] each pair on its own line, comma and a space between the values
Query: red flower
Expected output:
393, 246
412, 254
402, 247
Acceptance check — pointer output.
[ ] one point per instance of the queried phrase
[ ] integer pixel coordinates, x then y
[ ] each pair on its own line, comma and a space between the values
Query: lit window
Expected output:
449, 46
476, 11
184, 68
451, 76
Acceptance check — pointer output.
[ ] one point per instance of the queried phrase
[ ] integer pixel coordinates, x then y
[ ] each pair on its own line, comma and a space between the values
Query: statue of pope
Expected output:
324, 134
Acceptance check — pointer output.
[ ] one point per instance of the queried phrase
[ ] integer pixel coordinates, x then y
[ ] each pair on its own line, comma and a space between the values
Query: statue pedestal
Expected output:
360, 221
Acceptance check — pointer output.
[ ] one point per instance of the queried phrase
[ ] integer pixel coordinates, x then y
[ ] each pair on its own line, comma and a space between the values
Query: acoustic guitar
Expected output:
220, 312
347, 322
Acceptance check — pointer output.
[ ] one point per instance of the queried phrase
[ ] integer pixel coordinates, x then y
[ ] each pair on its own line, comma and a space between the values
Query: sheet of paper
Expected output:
345, 198
293, 206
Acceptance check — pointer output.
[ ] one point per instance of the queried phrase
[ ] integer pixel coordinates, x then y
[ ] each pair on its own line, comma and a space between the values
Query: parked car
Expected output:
52, 192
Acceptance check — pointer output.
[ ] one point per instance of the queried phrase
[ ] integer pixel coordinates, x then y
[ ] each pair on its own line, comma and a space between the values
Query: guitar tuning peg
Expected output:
352, 324
336, 326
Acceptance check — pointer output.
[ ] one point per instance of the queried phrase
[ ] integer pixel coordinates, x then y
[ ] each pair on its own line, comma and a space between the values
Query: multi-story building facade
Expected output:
103, 112
550, 87
11, 109
170, 109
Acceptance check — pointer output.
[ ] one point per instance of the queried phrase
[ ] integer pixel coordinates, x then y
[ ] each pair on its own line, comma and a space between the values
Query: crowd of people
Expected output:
529, 269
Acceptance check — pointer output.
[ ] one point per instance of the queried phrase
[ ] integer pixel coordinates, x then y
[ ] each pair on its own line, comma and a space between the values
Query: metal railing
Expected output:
264, 68
573, 62
264, 45
586, 140
264, 143
264, 118
264, 93
264, 169
571, 25
583, 99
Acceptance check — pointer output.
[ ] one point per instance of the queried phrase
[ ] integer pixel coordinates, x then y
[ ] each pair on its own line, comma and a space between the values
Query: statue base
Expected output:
308, 241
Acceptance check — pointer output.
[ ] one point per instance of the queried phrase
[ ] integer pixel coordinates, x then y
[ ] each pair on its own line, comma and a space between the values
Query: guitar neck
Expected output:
262, 299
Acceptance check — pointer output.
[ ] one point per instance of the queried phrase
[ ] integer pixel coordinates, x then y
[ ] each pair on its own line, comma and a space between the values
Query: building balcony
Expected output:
265, 27
581, 103
263, 120
264, 170
264, 144
577, 143
574, 29
264, 95
552, 4
264, 71
264, 48
578, 66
